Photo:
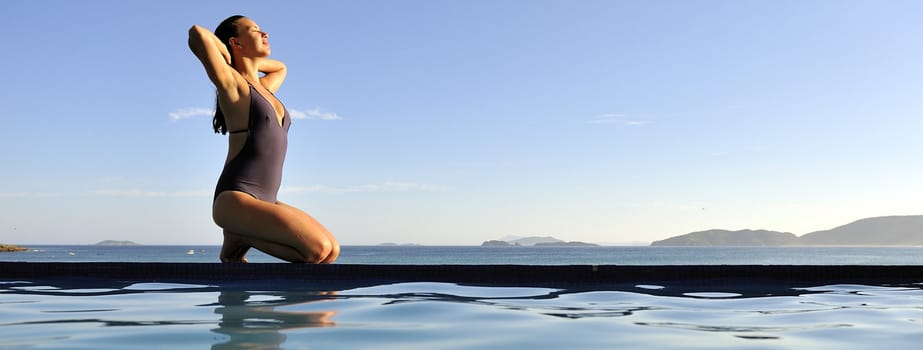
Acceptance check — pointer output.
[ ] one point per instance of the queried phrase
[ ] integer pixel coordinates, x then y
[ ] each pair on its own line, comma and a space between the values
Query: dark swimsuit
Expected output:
257, 169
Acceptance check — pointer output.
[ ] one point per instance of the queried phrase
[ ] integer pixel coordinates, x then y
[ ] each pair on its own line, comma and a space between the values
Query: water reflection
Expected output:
251, 320
71, 313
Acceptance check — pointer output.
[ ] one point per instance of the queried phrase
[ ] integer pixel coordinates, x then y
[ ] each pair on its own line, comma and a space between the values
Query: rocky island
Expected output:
117, 243
877, 231
731, 238
11, 248
534, 241
566, 244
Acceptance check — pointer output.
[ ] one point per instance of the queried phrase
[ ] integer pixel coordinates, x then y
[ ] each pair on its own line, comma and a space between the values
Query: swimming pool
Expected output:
270, 306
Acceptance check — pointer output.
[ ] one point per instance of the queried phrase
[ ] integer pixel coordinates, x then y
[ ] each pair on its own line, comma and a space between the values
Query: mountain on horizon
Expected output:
730, 238
875, 231
885, 230
533, 241
110, 242
528, 240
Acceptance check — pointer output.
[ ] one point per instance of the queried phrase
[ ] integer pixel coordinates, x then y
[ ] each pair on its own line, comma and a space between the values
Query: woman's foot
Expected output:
234, 249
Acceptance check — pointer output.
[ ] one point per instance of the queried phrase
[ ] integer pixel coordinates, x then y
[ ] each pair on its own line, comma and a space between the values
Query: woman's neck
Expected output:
248, 67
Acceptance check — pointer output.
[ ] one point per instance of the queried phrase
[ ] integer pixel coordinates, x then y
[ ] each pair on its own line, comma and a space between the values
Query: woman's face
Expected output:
250, 41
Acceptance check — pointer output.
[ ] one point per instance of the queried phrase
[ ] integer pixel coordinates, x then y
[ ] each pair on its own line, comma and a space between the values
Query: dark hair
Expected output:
225, 31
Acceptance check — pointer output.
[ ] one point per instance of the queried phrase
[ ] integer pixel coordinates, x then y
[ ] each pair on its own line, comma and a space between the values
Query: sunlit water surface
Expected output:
81, 314
108, 315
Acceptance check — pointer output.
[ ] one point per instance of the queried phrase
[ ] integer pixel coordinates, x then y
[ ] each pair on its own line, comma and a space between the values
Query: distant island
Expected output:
534, 241
877, 231
117, 243
566, 244
6, 248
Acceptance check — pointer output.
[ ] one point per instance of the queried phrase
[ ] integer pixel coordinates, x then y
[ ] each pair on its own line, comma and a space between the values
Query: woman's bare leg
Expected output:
334, 244
277, 229
277, 250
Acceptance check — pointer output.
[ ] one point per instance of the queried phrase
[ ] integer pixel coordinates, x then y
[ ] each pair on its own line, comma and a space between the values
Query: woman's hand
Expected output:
269, 65
224, 50
274, 73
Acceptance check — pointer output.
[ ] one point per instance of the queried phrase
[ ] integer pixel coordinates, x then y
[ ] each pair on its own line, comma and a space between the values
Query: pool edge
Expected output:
469, 274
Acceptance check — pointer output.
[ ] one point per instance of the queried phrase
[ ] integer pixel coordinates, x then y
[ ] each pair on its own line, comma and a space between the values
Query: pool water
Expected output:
81, 314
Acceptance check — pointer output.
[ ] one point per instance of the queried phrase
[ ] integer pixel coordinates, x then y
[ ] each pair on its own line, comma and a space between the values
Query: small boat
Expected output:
190, 252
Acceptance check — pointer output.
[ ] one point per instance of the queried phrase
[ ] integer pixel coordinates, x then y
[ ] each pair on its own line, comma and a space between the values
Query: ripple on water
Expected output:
450, 316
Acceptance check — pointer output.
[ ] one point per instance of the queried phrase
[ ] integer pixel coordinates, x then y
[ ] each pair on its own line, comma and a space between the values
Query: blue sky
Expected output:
455, 122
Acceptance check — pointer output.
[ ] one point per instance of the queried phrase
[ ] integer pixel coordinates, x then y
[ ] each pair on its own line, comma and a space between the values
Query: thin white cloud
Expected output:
617, 118
383, 187
195, 112
185, 113
314, 113
17, 195
145, 193
108, 193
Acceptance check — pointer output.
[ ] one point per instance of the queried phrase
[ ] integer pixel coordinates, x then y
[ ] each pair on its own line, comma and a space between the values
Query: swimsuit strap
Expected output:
251, 101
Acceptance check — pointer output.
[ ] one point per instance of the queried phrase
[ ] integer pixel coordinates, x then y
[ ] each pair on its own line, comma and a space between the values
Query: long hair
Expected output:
225, 31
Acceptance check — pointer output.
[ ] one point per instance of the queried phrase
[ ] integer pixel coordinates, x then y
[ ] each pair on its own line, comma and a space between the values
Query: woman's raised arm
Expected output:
214, 57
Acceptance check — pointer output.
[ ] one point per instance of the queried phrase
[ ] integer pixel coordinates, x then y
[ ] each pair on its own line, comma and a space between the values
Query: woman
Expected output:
245, 204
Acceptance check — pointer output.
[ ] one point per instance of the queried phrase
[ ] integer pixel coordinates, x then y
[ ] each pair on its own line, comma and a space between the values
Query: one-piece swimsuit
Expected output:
257, 169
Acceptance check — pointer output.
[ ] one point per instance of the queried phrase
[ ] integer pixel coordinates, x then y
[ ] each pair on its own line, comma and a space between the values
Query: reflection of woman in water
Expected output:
245, 204
258, 325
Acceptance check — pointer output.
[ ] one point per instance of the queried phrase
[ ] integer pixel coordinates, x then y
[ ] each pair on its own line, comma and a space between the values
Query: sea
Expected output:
517, 255
42, 313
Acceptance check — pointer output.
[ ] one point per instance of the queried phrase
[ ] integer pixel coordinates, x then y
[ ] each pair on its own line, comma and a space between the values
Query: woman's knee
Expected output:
333, 254
323, 251
324, 248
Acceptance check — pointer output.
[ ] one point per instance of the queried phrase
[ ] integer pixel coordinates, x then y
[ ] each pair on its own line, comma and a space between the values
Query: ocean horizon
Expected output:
488, 255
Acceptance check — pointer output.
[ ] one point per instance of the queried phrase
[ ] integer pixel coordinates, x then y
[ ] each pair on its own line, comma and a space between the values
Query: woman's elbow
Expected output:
196, 30
197, 34
196, 39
